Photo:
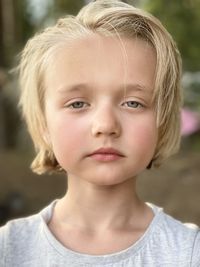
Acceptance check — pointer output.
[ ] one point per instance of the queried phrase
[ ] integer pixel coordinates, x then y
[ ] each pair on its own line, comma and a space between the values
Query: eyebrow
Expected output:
74, 88
137, 87
128, 88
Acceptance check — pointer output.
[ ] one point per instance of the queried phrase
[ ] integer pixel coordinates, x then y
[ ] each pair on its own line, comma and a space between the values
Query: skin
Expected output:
98, 95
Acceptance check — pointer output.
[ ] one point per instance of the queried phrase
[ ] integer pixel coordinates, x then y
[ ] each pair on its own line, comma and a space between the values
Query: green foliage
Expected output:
182, 19
63, 7
23, 22
15, 28
59, 8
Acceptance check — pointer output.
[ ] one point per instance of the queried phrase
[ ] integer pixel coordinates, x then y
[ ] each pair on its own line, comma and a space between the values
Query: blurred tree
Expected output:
68, 6
63, 7
15, 28
182, 19
72, 7
56, 9
132, 2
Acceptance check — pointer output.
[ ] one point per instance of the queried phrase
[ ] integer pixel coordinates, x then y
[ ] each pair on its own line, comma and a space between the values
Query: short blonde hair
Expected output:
103, 17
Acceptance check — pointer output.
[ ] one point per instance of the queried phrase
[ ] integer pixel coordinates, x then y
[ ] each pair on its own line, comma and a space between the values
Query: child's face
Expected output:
97, 98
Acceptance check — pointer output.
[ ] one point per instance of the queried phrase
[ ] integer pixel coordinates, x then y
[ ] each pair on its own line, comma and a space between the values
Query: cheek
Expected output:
144, 133
67, 136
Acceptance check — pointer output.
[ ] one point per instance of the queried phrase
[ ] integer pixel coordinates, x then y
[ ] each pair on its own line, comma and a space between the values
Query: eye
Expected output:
133, 104
77, 105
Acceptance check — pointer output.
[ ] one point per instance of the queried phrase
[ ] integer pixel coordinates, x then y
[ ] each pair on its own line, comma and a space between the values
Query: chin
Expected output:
109, 181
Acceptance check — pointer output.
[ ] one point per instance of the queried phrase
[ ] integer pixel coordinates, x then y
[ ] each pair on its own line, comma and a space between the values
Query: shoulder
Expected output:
19, 228
196, 250
182, 239
22, 241
18, 236
25, 227
178, 229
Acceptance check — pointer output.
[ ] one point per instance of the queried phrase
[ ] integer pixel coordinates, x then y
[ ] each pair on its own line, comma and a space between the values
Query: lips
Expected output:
106, 154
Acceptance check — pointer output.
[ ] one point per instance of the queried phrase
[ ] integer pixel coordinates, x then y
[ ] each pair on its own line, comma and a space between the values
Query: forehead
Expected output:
103, 61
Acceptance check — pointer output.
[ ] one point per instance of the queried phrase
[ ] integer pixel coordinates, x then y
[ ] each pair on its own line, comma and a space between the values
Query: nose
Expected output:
106, 122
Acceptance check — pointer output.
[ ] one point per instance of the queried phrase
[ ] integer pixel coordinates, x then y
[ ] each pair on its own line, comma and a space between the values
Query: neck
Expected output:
100, 207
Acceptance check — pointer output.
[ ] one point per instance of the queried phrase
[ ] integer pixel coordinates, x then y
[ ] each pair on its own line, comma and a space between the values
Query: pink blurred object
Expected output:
190, 122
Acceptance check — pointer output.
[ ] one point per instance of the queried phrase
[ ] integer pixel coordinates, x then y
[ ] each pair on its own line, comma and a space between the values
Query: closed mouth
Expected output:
107, 152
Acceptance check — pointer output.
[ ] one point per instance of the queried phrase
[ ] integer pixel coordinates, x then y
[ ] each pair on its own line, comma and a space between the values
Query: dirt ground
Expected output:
175, 186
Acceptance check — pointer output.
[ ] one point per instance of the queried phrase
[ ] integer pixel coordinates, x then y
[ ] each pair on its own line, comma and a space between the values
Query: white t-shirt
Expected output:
166, 243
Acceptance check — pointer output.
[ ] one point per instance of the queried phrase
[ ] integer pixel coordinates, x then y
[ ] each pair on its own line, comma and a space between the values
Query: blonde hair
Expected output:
103, 17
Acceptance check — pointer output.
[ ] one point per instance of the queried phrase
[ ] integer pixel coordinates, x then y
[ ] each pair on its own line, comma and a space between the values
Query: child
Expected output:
100, 93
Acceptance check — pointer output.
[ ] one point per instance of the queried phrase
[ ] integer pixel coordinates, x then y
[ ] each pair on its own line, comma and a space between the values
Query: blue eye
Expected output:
133, 104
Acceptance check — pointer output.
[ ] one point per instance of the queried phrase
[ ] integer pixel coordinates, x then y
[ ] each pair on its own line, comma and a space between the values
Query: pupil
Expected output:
78, 104
133, 104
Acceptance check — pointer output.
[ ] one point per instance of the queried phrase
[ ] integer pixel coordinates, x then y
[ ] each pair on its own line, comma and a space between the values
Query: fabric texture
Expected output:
167, 243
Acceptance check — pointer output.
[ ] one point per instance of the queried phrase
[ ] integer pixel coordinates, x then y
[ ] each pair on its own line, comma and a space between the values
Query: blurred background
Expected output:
174, 186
